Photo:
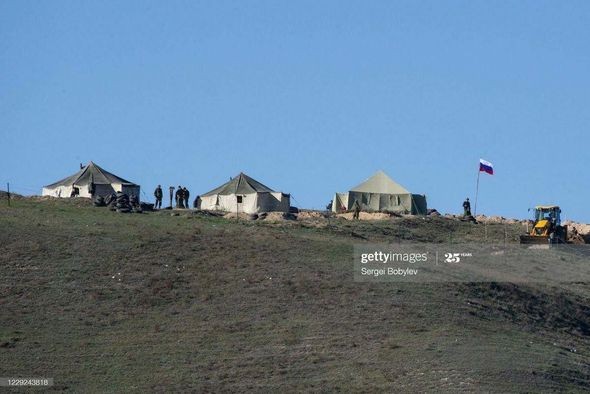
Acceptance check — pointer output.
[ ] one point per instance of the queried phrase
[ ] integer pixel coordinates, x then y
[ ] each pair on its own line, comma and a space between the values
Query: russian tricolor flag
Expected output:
486, 167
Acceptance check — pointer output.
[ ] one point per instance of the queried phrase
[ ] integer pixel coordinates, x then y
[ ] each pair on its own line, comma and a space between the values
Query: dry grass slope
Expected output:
102, 301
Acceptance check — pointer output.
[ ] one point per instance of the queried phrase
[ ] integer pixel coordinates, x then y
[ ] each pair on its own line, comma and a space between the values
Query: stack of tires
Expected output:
135, 205
111, 202
122, 204
119, 202
99, 201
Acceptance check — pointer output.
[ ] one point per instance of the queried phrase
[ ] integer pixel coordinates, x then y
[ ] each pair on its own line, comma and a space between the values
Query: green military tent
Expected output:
380, 193
103, 181
244, 194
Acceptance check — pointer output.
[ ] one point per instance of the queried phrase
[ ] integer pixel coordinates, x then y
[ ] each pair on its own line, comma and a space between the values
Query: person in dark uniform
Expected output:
158, 194
357, 210
466, 207
179, 197
75, 191
91, 189
196, 202
185, 194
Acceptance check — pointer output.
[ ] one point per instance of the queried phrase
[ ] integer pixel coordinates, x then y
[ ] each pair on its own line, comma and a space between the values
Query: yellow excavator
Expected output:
547, 228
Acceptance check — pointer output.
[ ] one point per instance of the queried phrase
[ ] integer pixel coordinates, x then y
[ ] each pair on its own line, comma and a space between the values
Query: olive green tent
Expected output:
380, 193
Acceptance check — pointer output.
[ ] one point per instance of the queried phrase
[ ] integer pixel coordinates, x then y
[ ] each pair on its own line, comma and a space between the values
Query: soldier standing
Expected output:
75, 191
357, 210
91, 189
158, 194
179, 197
466, 207
186, 195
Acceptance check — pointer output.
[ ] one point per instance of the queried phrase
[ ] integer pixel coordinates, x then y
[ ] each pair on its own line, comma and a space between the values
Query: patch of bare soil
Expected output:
310, 215
276, 216
580, 228
552, 309
241, 215
365, 215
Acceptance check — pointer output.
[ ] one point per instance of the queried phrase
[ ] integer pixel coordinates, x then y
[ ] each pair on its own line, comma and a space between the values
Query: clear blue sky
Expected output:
309, 97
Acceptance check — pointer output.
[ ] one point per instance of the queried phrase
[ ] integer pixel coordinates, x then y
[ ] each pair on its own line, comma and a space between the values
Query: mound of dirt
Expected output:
276, 216
75, 201
307, 215
365, 216
241, 216
13, 196
576, 238
490, 219
206, 213
46, 198
433, 212
497, 219
580, 228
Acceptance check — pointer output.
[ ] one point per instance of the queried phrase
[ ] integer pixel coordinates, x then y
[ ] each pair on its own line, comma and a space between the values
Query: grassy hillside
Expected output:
102, 301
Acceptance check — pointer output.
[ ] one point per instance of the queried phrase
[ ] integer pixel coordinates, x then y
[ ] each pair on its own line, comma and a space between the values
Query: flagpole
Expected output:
476, 191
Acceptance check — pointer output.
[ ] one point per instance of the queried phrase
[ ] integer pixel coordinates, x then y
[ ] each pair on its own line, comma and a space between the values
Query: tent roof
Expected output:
240, 184
91, 173
380, 183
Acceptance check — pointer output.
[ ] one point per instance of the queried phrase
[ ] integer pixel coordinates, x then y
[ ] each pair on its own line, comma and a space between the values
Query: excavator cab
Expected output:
547, 226
546, 218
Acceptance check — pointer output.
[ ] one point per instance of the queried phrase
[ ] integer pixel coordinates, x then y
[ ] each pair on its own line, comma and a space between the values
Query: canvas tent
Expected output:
104, 182
244, 194
380, 193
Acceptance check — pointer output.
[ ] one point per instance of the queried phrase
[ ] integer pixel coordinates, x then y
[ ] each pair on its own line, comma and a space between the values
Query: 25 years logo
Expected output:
452, 257
455, 257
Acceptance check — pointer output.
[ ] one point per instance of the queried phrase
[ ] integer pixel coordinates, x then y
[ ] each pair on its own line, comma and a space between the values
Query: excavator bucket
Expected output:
533, 240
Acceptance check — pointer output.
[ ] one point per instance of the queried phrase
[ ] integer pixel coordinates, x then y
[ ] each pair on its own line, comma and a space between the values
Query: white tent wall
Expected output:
251, 203
229, 203
340, 202
66, 191
208, 203
102, 190
60, 191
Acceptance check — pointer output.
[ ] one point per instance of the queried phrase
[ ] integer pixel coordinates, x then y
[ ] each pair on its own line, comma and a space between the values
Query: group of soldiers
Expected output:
181, 196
